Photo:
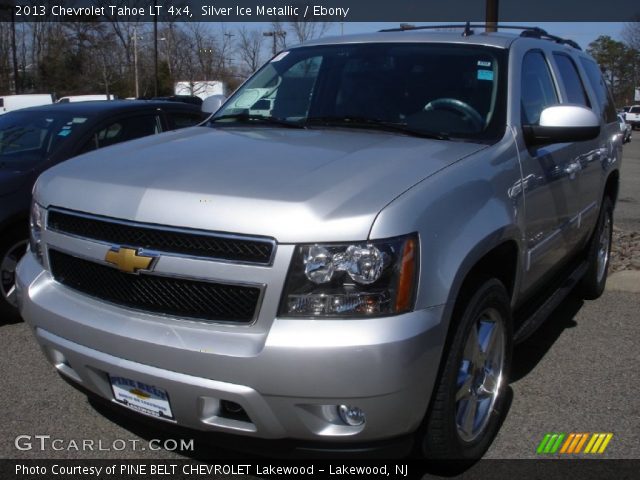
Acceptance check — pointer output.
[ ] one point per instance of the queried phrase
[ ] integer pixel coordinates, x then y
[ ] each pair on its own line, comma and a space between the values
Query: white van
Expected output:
15, 102
85, 98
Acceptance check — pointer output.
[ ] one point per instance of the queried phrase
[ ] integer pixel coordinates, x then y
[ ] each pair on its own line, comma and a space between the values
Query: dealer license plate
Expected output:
141, 397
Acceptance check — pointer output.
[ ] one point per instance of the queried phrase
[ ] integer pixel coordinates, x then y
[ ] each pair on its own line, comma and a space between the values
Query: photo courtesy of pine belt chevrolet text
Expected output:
346, 253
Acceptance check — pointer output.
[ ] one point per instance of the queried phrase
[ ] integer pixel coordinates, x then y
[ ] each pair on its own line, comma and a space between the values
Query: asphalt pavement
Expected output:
578, 373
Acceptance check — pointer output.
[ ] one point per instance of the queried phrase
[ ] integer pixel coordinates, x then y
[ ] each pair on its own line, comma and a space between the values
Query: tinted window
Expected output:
28, 137
538, 91
603, 94
184, 119
457, 90
634, 110
124, 129
571, 80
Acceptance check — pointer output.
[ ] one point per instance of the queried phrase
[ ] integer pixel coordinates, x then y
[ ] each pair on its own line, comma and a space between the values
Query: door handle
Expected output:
572, 169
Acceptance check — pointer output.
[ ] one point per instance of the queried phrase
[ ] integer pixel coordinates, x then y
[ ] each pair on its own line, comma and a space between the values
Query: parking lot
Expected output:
578, 373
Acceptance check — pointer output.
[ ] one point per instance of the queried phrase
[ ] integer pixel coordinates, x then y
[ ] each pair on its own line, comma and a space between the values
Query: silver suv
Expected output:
346, 252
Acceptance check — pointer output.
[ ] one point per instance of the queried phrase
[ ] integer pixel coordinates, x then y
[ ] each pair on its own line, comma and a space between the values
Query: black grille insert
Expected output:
163, 239
158, 294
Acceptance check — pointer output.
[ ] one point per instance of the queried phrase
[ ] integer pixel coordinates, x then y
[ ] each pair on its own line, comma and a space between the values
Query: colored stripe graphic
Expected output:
550, 443
543, 443
555, 443
607, 439
598, 443
567, 444
580, 444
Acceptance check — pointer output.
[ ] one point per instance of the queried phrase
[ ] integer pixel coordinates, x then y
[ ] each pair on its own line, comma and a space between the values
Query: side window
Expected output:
179, 120
571, 80
603, 94
538, 91
122, 130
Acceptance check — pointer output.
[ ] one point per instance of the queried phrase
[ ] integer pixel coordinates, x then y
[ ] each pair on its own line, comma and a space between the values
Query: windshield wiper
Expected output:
374, 123
246, 117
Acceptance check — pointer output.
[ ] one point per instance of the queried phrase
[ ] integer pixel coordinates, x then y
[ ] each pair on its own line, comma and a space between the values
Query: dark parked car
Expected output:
34, 139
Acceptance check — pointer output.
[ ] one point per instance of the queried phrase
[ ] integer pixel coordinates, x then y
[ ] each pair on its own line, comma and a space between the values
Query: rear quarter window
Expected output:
571, 80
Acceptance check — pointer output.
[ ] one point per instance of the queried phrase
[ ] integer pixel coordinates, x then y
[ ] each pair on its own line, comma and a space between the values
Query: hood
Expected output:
294, 185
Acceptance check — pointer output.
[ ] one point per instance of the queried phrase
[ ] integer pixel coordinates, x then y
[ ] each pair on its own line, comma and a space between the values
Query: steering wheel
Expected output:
457, 106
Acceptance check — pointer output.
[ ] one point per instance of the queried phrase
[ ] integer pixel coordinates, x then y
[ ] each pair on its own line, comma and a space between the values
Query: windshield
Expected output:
29, 137
455, 91
634, 110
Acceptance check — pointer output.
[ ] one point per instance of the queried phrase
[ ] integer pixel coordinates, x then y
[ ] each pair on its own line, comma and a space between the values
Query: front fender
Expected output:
460, 214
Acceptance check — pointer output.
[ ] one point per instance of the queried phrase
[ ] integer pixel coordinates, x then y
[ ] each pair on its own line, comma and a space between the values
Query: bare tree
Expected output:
206, 52
307, 29
631, 33
250, 49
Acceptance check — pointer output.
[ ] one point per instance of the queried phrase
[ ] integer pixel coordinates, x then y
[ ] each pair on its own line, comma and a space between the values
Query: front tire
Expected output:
469, 399
12, 247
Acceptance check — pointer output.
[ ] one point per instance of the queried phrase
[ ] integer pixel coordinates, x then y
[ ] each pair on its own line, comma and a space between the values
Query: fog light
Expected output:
351, 415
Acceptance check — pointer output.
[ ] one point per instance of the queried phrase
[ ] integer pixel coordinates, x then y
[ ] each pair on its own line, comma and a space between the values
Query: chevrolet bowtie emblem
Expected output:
128, 260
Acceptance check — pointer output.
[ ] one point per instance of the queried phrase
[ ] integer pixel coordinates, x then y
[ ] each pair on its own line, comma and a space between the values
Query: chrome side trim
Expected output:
542, 246
153, 226
586, 212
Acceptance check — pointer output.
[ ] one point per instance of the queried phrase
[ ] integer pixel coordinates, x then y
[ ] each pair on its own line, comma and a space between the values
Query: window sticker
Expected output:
485, 75
79, 119
64, 132
483, 63
280, 56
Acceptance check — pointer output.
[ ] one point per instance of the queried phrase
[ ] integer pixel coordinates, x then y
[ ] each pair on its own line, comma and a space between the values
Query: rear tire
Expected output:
469, 399
599, 254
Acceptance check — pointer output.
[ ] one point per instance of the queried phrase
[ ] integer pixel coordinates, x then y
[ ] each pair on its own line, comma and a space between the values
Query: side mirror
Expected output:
563, 123
213, 103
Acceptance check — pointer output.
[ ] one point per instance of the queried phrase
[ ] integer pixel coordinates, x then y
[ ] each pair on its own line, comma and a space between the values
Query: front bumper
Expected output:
288, 378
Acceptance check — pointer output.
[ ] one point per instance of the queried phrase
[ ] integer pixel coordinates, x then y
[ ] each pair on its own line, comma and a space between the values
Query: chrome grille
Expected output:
154, 293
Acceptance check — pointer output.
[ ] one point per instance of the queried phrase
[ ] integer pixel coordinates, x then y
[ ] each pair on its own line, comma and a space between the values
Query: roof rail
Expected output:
531, 32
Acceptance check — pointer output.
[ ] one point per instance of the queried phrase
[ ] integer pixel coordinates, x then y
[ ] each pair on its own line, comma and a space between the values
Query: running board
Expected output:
537, 318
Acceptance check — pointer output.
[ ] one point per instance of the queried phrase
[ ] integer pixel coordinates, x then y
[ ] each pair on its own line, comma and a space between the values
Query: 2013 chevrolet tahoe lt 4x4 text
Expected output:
346, 252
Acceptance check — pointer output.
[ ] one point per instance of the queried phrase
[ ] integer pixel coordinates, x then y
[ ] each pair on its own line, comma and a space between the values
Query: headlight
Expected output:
36, 222
354, 279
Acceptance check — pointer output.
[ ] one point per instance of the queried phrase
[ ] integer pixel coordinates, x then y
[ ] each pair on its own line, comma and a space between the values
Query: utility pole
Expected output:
14, 50
155, 51
228, 36
491, 15
275, 34
135, 59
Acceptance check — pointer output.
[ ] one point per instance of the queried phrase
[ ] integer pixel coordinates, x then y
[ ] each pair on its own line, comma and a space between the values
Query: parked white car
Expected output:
85, 98
9, 103
632, 117
625, 129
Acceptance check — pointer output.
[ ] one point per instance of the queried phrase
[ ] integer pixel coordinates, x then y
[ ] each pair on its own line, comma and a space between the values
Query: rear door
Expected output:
599, 153
584, 156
